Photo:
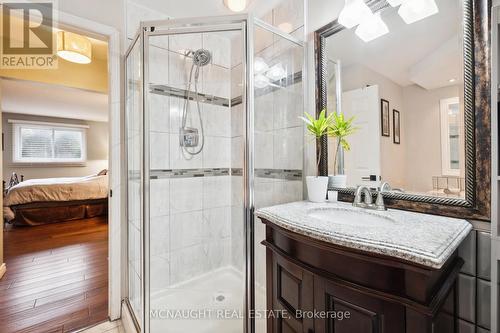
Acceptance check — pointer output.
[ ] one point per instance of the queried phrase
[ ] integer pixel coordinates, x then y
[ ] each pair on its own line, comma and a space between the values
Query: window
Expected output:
451, 136
36, 142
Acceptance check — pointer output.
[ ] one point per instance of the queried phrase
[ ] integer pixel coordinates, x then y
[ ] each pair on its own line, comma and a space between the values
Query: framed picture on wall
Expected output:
384, 112
396, 124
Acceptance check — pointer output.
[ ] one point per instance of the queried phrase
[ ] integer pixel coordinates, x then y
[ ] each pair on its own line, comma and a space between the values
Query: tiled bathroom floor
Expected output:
221, 290
107, 327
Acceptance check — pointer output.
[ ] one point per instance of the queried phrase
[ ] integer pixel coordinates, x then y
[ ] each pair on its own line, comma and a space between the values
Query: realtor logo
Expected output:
28, 35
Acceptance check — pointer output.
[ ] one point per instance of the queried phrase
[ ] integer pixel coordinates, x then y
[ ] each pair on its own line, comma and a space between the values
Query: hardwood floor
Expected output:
57, 277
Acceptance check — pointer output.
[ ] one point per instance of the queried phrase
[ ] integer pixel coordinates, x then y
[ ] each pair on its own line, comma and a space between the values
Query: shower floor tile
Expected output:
209, 303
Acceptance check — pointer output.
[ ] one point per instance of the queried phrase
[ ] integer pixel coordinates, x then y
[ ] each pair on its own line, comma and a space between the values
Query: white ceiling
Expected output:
427, 52
27, 97
196, 8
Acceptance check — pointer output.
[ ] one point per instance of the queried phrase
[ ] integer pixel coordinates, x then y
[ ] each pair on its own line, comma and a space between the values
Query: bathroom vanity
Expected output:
390, 271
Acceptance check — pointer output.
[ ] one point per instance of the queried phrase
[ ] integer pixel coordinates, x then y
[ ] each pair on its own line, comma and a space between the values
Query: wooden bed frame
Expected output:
39, 213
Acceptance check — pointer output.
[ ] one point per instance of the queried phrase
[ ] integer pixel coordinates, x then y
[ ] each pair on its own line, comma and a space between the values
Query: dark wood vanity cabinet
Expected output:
313, 284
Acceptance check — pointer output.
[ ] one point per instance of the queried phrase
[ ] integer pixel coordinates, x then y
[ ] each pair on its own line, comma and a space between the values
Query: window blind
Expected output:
48, 144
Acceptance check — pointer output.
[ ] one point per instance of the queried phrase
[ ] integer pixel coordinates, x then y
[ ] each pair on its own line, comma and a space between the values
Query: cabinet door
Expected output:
293, 292
349, 311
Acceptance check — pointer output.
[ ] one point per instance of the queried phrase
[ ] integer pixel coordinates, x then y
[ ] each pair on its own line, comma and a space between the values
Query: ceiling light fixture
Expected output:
395, 3
277, 72
236, 5
415, 10
74, 48
261, 81
260, 65
353, 13
372, 28
286, 27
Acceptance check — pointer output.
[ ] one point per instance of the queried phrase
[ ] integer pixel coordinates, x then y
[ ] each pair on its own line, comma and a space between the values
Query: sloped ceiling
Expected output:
427, 53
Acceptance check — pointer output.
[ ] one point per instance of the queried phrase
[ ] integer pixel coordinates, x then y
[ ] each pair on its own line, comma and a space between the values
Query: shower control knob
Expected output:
189, 137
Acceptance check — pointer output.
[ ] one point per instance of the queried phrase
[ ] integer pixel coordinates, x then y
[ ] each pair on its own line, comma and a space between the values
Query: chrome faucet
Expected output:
368, 202
362, 190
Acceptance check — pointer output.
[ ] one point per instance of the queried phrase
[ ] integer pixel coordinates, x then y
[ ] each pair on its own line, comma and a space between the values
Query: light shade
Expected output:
395, 3
372, 28
416, 10
260, 65
73, 47
236, 5
353, 13
277, 72
261, 81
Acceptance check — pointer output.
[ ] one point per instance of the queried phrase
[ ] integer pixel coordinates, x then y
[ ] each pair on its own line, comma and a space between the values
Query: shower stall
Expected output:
212, 133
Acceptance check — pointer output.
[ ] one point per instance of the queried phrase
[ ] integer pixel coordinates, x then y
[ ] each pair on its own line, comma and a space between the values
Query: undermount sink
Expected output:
345, 216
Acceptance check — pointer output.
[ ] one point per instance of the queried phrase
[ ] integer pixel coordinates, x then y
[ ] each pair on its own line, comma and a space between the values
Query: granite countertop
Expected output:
423, 239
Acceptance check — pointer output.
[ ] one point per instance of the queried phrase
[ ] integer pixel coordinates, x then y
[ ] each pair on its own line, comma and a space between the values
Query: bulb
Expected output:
236, 5
286, 27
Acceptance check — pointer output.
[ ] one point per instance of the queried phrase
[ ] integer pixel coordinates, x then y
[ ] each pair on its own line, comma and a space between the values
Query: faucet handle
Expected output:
379, 203
357, 196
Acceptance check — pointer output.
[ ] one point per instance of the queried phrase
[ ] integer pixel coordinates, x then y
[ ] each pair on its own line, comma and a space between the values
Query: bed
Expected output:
51, 200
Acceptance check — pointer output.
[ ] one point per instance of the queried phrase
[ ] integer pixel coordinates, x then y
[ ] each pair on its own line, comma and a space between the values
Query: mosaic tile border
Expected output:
221, 101
190, 173
285, 174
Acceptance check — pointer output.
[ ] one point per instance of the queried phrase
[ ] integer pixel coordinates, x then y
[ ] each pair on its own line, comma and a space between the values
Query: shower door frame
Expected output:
245, 23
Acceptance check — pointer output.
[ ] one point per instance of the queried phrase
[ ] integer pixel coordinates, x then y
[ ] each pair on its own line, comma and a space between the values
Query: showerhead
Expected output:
202, 57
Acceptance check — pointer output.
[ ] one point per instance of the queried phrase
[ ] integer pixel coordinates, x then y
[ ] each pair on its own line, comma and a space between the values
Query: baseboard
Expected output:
3, 269
127, 321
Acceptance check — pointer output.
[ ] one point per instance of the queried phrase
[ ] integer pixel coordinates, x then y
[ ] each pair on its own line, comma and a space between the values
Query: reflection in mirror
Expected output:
407, 84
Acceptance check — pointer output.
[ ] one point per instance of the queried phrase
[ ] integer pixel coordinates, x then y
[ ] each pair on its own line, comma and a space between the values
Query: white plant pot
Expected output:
316, 188
333, 196
338, 181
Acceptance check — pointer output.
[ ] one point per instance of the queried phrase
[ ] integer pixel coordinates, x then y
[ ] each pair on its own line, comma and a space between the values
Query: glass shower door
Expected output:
209, 139
194, 113
135, 191
278, 135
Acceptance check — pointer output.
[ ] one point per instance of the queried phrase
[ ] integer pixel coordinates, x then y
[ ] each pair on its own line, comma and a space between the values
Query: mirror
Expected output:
405, 92
409, 84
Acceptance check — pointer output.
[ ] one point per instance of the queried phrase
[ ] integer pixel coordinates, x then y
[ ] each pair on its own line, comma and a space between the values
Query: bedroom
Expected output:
55, 146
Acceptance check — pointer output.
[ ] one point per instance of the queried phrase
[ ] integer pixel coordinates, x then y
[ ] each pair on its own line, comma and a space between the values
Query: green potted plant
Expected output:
316, 185
340, 129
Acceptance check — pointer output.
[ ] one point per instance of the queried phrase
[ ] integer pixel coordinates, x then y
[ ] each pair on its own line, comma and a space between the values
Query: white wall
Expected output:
393, 161
97, 150
423, 134
109, 12
411, 164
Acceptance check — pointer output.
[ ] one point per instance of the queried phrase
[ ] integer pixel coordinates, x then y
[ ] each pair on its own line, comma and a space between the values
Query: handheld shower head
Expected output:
202, 57
189, 137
